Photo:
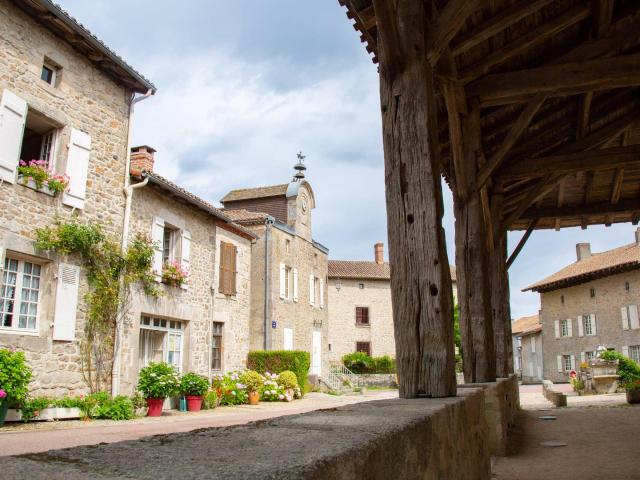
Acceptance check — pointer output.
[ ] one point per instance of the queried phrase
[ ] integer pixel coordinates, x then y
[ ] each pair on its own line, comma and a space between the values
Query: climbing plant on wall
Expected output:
111, 274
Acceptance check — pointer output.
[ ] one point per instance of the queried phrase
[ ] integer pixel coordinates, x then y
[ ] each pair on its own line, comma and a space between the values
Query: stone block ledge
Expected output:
556, 397
397, 438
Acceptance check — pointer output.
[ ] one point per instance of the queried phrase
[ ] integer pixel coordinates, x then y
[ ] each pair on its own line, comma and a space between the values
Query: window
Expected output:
588, 356
287, 282
39, 139
626, 286
287, 246
20, 294
566, 363
587, 322
364, 347
634, 353
169, 241
533, 343
160, 341
216, 346
228, 269
361, 286
519, 342
592, 293
564, 327
50, 72
362, 316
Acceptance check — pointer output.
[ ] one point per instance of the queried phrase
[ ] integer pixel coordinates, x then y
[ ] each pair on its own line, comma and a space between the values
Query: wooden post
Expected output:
472, 268
420, 278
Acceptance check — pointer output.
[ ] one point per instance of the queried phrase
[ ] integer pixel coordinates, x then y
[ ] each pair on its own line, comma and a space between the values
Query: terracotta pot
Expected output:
254, 398
154, 407
633, 396
194, 403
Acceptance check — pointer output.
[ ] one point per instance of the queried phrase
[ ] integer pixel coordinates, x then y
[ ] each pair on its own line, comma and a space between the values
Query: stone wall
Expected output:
610, 296
377, 379
84, 99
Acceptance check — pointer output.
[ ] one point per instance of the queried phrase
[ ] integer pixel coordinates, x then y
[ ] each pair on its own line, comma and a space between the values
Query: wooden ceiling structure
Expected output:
530, 109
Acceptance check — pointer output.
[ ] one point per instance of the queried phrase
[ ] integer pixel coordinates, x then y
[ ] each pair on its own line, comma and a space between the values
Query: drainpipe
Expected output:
267, 288
128, 194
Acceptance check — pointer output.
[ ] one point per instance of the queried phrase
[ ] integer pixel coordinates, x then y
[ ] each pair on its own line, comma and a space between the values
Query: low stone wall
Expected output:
559, 399
377, 380
424, 438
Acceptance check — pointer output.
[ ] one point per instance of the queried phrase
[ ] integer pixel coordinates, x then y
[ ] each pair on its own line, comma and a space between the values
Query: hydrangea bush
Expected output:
158, 380
230, 390
193, 384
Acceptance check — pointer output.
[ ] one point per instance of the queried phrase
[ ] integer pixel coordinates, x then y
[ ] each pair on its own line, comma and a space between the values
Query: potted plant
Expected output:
15, 376
289, 382
633, 391
254, 383
194, 387
157, 381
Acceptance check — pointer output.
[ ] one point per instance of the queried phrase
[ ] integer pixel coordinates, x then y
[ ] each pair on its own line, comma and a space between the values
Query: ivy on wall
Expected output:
111, 274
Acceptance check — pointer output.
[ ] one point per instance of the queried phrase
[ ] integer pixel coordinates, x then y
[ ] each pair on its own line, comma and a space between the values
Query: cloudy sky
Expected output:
244, 85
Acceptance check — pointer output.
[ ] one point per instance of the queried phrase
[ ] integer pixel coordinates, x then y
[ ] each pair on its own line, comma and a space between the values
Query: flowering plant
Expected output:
3, 394
58, 183
158, 380
253, 380
230, 389
173, 274
37, 170
271, 391
193, 384
15, 375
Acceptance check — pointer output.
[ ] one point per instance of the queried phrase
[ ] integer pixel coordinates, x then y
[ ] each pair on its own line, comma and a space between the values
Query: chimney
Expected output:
583, 251
379, 253
638, 236
141, 160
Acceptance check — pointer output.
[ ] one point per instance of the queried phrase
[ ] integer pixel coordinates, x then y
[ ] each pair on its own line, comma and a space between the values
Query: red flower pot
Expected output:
154, 406
194, 403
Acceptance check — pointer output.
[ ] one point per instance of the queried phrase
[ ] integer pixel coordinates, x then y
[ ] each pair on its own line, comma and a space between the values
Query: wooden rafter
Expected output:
584, 111
616, 186
522, 242
576, 211
539, 190
588, 189
447, 24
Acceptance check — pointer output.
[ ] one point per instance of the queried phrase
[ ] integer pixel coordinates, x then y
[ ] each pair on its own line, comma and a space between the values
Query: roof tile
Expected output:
526, 325
257, 192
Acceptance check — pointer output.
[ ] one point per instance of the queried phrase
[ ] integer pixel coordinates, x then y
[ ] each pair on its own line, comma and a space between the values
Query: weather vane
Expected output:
300, 156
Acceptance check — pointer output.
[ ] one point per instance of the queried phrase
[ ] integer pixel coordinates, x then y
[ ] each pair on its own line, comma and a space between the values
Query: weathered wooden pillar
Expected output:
472, 264
420, 279
501, 311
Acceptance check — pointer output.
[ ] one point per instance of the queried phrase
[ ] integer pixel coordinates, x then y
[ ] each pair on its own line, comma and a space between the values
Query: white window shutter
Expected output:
580, 326
321, 293
634, 324
625, 318
185, 252
312, 290
283, 281
594, 326
560, 366
569, 327
625, 351
295, 284
288, 339
77, 168
557, 327
64, 320
533, 344
583, 357
157, 237
573, 362
13, 115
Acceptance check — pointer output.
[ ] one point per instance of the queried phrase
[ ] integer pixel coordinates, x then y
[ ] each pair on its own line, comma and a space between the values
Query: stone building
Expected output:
527, 348
203, 325
65, 99
288, 268
360, 313
592, 302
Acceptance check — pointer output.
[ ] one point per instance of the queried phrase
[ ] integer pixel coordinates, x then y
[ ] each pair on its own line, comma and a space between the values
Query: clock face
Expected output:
304, 204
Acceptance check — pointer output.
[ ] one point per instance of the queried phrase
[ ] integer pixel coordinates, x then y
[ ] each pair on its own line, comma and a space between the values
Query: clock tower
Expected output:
300, 201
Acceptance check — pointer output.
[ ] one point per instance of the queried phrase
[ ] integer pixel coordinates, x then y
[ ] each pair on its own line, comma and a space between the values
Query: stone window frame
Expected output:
368, 315
566, 363
586, 322
56, 72
564, 327
364, 347
169, 328
634, 353
18, 300
51, 138
217, 331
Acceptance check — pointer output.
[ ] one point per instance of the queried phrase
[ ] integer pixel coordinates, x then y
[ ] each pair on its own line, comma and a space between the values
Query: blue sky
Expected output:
244, 85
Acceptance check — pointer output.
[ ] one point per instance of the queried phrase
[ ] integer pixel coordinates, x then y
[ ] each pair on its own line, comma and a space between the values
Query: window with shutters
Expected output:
161, 340
634, 353
587, 322
228, 270
39, 140
566, 363
564, 327
588, 356
19, 295
362, 316
216, 346
363, 347
169, 242
287, 282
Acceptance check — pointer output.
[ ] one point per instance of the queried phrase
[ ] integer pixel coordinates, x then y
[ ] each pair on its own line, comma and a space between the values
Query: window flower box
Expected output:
31, 183
35, 175
175, 275
46, 414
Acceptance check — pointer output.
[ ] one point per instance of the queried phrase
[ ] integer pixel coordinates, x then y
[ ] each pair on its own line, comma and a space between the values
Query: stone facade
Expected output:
82, 99
527, 350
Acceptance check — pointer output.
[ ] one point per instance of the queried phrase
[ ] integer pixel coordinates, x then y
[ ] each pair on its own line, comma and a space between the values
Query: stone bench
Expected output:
559, 399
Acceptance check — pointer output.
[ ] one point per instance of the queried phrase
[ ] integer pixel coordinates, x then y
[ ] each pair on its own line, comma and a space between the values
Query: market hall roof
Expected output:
58, 21
556, 82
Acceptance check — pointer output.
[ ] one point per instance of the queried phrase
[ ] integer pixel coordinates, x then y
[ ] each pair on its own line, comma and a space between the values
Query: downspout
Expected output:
267, 288
128, 194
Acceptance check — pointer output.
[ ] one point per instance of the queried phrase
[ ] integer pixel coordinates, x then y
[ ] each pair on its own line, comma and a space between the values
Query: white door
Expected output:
288, 339
316, 353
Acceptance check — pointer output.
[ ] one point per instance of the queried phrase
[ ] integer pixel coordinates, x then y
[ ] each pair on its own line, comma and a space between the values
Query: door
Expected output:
316, 353
288, 339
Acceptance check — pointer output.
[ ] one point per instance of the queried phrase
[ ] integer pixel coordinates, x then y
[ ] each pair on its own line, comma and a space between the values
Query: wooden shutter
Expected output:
321, 293
312, 290
573, 362
625, 318
77, 168
557, 328
227, 280
157, 237
569, 327
13, 115
283, 281
625, 351
594, 327
634, 324
583, 357
233, 269
560, 364
64, 320
222, 273
295, 284
580, 326
185, 252
533, 346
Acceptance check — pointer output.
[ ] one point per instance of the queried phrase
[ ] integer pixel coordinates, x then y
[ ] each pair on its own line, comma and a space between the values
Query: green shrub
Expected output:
210, 400
194, 384
158, 380
15, 376
628, 370
31, 407
229, 389
384, 364
360, 362
116, 408
253, 380
288, 379
277, 361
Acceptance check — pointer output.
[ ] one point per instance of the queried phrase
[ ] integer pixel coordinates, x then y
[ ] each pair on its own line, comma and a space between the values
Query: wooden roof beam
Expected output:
522, 242
541, 189
584, 111
581, 211
616, 186
447, 24
496, 24
557, 80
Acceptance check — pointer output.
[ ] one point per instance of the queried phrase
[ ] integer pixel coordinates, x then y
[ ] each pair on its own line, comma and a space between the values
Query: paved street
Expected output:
36, 437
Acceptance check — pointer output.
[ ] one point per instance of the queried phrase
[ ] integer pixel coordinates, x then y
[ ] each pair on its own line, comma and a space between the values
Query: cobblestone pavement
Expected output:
17, 439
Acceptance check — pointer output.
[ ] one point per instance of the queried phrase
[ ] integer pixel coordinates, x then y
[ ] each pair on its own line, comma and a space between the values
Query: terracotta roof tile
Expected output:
245, 216
526, 325
257, 192
597, 265
365, 270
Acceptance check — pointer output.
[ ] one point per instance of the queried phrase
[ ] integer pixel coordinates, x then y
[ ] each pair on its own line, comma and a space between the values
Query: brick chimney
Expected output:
141, 160
583, 251
379, 253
